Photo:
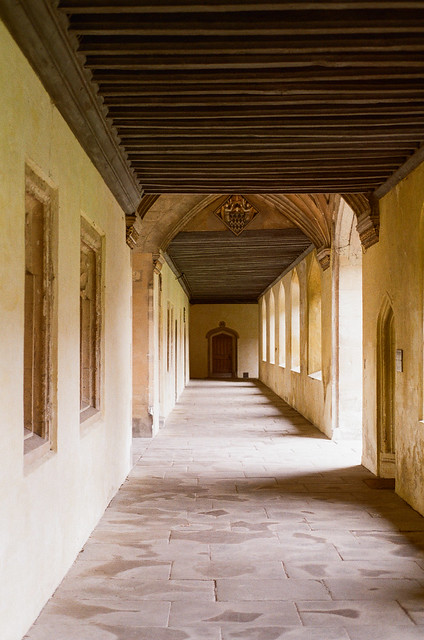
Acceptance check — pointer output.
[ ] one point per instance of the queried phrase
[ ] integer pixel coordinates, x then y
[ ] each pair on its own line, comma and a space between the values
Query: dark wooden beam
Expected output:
300, 110
222, 167
176, 173
185, 62
234, 152
187, 45
406, 141
223, 6
277, 88
140, 127
376, 21
300, 189
235, 76
227, 136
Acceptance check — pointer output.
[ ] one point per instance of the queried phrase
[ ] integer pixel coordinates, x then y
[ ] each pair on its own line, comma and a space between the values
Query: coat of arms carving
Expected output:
236, 213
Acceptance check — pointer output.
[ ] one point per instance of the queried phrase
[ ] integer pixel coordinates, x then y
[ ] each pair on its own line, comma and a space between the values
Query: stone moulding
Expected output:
41, 33
324, 257
133, 225
366, 209
134, 220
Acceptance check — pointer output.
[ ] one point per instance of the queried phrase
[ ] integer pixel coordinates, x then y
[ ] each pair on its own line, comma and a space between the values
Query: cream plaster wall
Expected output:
48, 510
157, 379
347, 327
242, 318
393, 271
174, 377
309, 394
145, 412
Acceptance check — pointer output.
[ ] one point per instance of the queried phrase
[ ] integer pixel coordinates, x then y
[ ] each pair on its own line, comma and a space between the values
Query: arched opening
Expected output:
176, 359
386, 367
314, 320
295, 322
281, 326
347, 327
222, 352
264, 329
271, 327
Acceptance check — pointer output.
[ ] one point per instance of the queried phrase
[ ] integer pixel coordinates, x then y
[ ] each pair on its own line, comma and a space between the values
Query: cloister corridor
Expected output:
240, 520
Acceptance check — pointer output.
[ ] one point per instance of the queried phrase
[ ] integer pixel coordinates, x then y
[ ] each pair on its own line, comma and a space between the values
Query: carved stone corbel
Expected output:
324, 257
368, 215
133, 223
158, 262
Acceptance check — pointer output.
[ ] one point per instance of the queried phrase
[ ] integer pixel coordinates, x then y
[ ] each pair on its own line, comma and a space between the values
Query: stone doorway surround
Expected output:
224, 331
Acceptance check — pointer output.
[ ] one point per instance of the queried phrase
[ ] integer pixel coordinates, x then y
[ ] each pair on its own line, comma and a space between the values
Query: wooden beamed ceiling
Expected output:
218, 267
271, 97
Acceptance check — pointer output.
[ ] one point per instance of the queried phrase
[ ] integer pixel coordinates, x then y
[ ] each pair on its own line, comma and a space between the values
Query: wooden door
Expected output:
222, 355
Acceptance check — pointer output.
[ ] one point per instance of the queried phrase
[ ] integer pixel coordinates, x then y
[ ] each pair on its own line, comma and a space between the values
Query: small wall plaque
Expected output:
399, 360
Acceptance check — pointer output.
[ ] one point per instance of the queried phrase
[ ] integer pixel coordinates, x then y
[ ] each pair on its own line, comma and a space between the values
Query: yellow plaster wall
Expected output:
393, 270
242, 318
309, 394
48, 510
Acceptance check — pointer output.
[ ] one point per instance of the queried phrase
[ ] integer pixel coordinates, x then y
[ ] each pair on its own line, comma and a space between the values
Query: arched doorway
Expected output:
222, 352
386, 367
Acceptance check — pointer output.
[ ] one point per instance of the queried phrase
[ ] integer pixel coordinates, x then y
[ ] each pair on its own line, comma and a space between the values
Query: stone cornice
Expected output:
40, 32
366, 209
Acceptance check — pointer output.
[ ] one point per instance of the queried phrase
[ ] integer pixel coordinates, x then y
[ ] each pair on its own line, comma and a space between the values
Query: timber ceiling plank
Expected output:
233, 96
219, 266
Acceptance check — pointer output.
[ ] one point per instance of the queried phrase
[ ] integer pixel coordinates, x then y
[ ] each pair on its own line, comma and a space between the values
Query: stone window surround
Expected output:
92, 239
41, 189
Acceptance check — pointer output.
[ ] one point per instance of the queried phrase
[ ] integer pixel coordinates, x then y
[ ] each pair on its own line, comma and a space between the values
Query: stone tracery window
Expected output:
90, 320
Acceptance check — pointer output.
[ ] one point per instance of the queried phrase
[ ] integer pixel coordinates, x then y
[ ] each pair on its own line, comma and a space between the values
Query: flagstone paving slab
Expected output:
240, 520
352, 612
383, 632
285, 633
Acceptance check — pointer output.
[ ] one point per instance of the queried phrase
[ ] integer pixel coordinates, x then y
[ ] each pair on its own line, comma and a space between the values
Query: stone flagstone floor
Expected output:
242, 521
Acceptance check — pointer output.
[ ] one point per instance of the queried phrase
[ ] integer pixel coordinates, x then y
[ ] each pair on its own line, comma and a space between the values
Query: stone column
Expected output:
146, 268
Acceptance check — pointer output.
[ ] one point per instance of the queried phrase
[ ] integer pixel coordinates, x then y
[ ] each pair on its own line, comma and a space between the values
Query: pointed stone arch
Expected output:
281, 325
386, 410
313, 214
295, 322
314, 291
347, 347
271, 327
264, 341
